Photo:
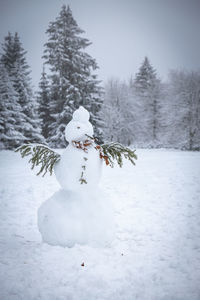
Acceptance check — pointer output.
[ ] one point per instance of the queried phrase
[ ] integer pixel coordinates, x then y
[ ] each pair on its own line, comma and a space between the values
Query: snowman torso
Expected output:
78, 169
73, 162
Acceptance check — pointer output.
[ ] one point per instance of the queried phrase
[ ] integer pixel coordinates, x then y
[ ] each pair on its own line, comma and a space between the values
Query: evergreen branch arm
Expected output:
41, 155
116, 151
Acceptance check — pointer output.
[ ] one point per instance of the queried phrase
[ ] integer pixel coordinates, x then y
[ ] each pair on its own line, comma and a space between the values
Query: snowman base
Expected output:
69, 218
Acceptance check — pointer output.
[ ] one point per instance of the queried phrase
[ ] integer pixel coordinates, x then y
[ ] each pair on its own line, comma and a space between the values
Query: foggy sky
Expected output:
122, 32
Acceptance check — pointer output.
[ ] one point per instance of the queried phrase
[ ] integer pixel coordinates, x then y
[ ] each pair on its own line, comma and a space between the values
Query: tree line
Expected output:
144, 111
149, 113
71, 81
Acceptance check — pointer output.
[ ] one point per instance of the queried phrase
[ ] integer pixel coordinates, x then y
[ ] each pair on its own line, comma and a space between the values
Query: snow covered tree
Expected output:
43, 97
195, 115
117, 113
11, 117
146, 90
8, 57
183, 118
71, 79
14, 60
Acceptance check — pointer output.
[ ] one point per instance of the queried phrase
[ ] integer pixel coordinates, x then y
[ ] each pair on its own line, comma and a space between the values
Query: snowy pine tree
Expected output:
43, 98
71, 79
11, 117
183, 118
14, 60
8, 57
117, 113
146, 90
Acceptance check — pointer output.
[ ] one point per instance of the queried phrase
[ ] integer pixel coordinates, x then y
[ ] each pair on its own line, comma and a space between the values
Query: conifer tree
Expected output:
14, 60
183, 118
117, 113
8, 57
147, 89
71, 75
11, 117
43, 103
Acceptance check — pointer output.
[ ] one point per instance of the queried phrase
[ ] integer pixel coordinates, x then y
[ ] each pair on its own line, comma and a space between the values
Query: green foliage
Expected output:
116, 151
82, 179
46, 158
40, 156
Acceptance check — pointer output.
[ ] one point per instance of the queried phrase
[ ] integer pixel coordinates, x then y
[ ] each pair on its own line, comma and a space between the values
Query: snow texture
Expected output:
156, 252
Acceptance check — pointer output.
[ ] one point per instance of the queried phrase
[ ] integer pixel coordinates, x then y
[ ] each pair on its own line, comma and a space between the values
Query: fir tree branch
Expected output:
115, 151
41, 155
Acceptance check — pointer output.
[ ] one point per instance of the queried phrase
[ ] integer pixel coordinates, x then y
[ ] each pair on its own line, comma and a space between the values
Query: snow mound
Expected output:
70, 218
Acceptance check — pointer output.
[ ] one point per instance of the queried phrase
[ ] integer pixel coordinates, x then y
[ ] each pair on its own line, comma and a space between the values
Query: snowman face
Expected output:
77, 131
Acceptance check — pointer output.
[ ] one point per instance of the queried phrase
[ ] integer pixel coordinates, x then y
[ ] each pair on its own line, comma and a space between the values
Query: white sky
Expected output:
122, 32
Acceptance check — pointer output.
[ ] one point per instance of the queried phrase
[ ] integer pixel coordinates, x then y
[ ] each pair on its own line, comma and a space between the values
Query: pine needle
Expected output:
41, 156
116, 151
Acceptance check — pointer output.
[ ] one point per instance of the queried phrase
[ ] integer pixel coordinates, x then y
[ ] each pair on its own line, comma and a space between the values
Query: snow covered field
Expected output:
156, 253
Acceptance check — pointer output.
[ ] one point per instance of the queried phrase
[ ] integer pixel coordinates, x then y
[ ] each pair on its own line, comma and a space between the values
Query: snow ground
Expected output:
156, 253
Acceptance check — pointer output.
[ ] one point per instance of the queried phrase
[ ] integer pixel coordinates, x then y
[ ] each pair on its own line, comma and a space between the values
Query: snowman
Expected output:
78, 213
80, 161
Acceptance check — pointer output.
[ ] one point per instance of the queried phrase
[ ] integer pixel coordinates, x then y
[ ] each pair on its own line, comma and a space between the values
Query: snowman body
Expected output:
79, 212
71, 165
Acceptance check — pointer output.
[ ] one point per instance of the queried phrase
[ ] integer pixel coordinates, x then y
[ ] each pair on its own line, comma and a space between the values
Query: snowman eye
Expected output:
78, 127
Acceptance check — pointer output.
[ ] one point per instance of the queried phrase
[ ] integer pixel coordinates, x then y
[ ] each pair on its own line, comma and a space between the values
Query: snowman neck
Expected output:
85, 144
88, 143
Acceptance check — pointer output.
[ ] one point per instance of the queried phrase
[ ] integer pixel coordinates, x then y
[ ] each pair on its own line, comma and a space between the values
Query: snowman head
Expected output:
79, 127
